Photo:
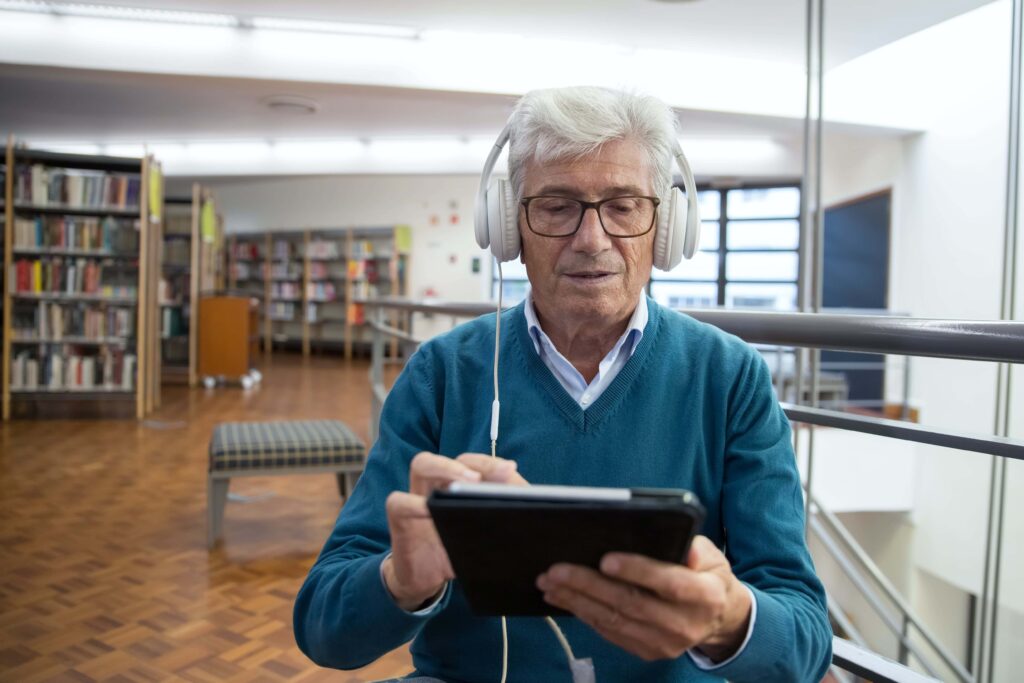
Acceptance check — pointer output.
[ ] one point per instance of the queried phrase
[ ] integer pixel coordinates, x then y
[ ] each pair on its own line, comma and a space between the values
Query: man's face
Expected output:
588, 277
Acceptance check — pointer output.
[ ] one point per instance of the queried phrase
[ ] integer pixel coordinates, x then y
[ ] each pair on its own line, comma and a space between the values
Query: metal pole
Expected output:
997, 483
812, 294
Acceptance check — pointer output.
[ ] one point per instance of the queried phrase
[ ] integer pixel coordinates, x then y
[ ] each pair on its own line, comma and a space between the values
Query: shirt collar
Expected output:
635, 328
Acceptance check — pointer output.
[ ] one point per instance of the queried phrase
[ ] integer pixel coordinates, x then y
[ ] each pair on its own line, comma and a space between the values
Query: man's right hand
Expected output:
418, 568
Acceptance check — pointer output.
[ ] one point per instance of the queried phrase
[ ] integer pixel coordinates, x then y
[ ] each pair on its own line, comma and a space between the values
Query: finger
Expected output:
625, 598
672, 582
704, 555
401, 505
639, 638
428, 471
493, 469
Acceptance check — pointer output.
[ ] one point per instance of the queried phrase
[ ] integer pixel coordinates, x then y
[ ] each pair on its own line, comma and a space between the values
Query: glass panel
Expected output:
510, 270
709, 236
703, 266
513, 291
774, 297
761, 266
772, 202
763, 234
710, 203
685, 294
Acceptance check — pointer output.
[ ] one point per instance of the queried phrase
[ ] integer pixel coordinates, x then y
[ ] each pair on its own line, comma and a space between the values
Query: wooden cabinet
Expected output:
228, 335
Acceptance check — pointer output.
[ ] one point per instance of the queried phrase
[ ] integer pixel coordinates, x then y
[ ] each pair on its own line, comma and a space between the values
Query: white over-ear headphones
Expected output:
497, 215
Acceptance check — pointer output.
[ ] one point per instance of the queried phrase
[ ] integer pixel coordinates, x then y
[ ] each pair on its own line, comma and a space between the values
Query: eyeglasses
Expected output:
563, 216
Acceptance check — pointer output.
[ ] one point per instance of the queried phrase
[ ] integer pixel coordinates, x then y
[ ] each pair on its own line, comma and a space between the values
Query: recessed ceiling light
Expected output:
292, 104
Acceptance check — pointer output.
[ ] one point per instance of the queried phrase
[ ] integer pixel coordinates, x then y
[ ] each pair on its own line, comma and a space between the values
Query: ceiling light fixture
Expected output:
100, 11
292, 104
317, 26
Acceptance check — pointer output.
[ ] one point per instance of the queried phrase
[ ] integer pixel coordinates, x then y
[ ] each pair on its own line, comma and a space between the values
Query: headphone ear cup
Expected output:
671, 231
502, 221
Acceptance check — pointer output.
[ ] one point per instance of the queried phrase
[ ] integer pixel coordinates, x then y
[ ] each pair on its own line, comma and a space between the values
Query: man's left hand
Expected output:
657, 610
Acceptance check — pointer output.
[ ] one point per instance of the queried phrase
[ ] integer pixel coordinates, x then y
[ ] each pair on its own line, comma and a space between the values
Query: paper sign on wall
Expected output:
208, 222
156, 190
403, 239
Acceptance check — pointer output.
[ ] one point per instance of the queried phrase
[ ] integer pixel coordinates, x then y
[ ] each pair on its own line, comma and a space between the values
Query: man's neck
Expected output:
584, 342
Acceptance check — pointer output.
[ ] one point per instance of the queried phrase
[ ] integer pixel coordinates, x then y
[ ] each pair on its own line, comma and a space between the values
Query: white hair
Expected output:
572, 123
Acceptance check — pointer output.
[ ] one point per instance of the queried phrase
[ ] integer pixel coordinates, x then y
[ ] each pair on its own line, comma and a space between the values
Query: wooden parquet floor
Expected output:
104, 571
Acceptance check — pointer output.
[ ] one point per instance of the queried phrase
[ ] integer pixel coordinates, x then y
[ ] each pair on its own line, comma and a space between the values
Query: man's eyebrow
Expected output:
569, 191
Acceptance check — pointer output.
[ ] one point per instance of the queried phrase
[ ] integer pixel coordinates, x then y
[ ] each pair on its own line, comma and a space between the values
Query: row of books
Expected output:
54, 321
241, 270
285, 290
245, 251
44, 186
173, 322
108, 369
77, 232
321, 291
365, 269
365, 249
68, 276
282, 250
323, 249
177, 253
320, 269
281, 310
284, 270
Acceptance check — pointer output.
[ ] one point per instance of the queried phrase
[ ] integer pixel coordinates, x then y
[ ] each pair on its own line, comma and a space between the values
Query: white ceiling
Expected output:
49, 98
760, 29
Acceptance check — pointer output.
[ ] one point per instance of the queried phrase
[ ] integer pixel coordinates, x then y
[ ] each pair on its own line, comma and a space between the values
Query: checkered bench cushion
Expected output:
238, 446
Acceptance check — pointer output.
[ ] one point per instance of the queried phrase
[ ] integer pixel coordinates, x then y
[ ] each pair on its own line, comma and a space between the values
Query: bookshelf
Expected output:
287, 277
80, 266
248, 263
192, 241
311, 277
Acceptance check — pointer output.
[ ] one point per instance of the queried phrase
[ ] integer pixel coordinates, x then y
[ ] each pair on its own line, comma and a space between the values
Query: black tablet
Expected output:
500, 538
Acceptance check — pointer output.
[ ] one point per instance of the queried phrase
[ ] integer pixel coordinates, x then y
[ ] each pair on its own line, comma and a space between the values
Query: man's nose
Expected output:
591, 237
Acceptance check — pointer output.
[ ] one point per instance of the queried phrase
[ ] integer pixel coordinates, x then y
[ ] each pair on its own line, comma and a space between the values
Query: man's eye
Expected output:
621, 206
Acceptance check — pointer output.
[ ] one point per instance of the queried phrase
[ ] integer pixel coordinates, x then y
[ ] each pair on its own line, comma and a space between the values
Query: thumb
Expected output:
702, 552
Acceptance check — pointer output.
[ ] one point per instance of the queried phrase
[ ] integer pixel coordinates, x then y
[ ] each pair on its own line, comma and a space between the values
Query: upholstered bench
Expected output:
245, 449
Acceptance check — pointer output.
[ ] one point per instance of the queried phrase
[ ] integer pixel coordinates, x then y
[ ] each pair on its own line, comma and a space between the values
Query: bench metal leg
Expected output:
216, 499
347, 483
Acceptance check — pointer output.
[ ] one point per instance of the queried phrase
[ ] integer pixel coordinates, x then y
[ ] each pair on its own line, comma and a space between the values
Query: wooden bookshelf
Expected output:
324, 269
248, 257
191, 265
80, 262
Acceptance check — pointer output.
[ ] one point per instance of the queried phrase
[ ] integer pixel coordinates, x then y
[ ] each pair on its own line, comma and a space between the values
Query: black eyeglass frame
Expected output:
596, 206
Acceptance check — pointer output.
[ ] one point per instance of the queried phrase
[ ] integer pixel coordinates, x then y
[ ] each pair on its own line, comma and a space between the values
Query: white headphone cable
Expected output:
495, 411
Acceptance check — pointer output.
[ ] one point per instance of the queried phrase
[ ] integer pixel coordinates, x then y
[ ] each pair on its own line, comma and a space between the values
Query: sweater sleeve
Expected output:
763, 520
344, 617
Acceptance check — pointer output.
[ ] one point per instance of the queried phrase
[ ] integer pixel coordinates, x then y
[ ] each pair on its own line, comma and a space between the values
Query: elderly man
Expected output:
602, 387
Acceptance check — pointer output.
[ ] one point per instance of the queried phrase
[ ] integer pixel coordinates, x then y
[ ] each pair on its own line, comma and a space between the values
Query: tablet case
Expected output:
498, 547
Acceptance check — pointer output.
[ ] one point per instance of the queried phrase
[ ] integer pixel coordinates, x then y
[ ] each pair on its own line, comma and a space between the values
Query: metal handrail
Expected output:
983, 340
907, 431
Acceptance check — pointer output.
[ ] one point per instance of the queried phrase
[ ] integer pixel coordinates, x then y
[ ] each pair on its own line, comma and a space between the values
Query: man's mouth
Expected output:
590, 276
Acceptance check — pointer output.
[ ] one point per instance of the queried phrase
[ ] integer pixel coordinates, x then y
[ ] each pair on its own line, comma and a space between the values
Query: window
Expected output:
748, 252
748, 255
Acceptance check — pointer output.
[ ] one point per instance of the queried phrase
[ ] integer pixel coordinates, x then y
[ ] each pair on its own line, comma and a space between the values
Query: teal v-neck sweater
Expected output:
693, 408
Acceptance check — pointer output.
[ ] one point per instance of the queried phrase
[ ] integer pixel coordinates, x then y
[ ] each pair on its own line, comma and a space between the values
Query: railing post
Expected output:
903, 656
376, 371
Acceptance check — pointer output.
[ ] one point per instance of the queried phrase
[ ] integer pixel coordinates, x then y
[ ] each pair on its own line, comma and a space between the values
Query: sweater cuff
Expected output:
766, 645
387, 616
425, 611
706, 663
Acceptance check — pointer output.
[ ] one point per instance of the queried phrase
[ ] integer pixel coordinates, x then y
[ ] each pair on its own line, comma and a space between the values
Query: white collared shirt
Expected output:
567, 375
